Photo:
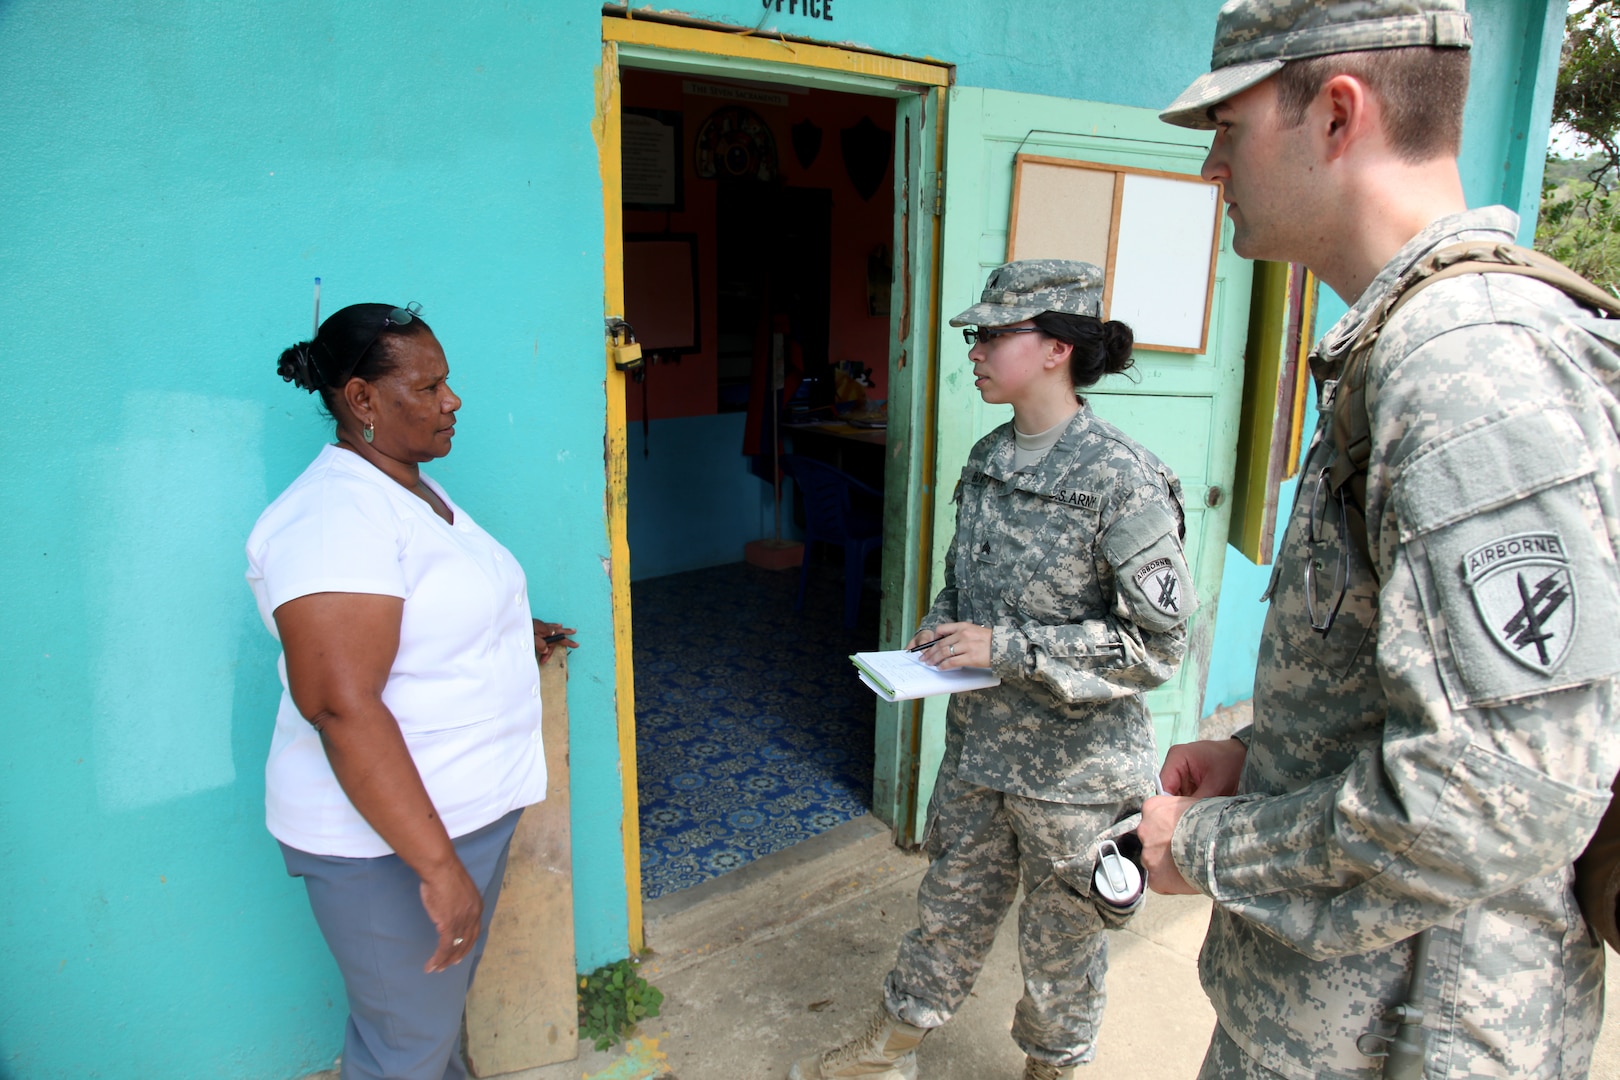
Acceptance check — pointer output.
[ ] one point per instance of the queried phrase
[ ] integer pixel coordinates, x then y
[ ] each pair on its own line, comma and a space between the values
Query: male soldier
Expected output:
1433, 713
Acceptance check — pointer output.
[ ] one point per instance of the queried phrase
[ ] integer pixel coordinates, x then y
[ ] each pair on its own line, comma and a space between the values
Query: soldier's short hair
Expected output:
1422, 90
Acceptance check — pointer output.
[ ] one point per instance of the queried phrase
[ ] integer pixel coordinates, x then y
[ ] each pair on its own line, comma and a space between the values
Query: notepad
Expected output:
899, 675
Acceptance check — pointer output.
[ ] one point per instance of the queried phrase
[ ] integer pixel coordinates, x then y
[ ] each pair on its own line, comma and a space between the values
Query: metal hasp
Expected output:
1398, 1036
626, 351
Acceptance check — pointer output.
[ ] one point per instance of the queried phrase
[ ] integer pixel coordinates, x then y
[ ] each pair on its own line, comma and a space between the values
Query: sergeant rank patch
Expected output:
1160, 585
1525, 593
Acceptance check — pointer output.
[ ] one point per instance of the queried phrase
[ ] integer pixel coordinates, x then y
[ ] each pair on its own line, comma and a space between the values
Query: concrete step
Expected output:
771, 896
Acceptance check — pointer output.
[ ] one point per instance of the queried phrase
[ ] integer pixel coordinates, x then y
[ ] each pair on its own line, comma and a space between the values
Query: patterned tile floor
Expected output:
752, 731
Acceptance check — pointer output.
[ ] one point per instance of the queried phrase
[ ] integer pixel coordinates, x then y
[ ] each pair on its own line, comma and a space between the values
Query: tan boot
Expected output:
884, 1052
1045, 1070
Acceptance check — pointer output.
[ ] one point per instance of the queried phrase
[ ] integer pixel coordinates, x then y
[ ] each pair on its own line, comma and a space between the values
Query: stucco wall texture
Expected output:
176, 175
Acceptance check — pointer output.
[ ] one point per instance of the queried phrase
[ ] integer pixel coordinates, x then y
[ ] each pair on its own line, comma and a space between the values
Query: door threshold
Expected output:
771, 895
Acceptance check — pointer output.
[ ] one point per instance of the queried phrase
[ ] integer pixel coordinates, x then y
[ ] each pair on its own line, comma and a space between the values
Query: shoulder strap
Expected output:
1459, 259
1352, 437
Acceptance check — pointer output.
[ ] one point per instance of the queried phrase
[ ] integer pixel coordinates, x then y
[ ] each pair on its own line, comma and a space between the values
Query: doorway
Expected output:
751, 734
765, 223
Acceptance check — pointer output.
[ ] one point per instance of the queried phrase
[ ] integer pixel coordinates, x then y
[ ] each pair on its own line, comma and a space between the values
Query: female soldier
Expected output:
1066, 576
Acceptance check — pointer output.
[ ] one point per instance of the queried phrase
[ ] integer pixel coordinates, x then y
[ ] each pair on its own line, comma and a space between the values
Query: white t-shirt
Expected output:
464, 686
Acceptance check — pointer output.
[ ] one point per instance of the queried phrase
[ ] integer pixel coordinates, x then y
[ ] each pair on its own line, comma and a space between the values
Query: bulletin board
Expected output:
661, 291
650, 159
1155, 234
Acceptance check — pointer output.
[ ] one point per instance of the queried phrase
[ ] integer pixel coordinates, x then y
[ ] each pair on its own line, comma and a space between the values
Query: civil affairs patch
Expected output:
1160, 585
1525, 593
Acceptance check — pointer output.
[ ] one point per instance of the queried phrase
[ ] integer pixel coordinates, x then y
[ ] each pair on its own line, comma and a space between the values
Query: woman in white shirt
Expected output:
408, 737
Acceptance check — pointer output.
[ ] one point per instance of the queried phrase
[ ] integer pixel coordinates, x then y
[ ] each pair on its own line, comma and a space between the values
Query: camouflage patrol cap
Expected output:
1022, 290
1254, 37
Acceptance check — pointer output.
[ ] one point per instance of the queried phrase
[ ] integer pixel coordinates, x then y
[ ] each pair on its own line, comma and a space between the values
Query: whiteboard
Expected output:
1161, 271
1155, 235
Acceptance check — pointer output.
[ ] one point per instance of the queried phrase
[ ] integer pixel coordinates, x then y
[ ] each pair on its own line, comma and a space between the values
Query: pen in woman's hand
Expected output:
548, 634
924, 645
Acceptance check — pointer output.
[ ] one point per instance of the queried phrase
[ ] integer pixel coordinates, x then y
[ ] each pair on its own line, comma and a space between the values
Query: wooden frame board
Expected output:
1282, 328
1156, 235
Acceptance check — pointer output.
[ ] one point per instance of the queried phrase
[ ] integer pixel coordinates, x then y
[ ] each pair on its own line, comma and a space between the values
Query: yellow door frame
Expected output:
664, 45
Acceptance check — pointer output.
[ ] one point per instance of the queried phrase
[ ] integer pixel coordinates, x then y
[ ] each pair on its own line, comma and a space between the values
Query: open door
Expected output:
1184, 405
726, 69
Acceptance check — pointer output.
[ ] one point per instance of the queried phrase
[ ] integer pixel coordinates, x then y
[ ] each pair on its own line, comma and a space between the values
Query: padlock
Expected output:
627, 353
627, 356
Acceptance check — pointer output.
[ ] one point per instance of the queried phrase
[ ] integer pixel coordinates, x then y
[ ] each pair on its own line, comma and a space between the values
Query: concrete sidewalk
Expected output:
785, 956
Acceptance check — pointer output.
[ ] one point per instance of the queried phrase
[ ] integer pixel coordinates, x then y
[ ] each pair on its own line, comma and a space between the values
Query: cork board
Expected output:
1156, 235
1076, 235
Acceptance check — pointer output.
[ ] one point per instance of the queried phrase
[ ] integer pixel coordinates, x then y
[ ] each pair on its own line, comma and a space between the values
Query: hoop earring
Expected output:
368, 432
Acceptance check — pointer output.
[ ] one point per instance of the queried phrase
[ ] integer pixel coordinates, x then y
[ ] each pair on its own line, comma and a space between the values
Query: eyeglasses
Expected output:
975, 334
399, 316
1313, 536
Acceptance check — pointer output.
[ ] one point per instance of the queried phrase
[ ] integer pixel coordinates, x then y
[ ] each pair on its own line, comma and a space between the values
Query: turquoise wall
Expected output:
176, 174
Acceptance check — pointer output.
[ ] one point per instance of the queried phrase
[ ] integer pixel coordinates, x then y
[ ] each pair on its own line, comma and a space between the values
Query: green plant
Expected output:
1579, 225
613, 999
1587, 97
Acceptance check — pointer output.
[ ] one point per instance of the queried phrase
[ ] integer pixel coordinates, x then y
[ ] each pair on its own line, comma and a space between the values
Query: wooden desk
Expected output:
841, 430
858, 451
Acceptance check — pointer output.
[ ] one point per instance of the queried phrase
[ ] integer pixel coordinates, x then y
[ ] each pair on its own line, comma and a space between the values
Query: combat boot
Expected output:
885, 1052
1045, 1070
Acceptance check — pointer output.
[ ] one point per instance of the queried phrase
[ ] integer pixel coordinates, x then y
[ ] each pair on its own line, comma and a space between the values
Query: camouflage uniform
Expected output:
1255, 38
1076, 566
1435, 759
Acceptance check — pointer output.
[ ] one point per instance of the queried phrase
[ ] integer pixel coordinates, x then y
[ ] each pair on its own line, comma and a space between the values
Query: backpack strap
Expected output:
1477, 258
1352, 434
1597, 870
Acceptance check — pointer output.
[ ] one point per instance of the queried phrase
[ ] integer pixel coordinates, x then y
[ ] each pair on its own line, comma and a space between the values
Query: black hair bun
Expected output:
297, 366
1117, 343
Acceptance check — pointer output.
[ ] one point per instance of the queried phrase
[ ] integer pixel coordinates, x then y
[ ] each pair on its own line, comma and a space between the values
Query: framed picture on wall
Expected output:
661, 298
650, 152
1156, 235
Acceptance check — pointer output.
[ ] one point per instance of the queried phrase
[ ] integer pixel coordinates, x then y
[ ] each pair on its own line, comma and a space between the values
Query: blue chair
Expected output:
838, 509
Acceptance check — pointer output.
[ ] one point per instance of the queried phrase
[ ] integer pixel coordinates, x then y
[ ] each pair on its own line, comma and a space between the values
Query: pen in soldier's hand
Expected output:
924, 645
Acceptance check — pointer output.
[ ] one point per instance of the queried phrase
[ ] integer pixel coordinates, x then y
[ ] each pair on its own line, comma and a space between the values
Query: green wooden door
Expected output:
1183, 407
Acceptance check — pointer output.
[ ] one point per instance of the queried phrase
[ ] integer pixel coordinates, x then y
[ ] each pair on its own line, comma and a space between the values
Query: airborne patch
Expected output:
1525, 593
1160, 585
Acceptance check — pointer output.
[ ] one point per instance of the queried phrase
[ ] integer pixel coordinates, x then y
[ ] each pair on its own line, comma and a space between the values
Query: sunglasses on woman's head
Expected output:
398, 316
